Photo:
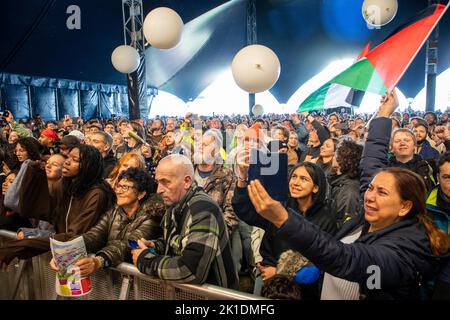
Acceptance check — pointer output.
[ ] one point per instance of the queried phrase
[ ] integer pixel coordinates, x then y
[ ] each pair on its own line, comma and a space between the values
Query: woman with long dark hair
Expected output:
28, 149
73, 206
308, 197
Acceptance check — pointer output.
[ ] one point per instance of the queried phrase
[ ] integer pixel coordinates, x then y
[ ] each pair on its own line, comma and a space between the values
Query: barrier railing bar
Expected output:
18, 277
128, 270
8, 234
125, 288
36, 266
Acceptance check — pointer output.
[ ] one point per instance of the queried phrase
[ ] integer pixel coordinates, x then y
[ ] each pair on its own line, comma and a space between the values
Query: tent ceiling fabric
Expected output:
307, 35
201, 55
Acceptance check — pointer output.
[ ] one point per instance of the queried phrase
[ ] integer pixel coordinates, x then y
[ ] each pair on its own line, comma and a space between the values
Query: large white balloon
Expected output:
163, 28
255, 68
378, 13
125, 59
257, 110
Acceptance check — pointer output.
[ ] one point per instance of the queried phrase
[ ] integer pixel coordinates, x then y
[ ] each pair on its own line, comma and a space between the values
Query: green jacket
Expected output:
439, 213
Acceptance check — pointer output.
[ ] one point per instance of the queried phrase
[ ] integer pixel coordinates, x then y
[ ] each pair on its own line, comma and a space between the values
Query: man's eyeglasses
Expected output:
122, 187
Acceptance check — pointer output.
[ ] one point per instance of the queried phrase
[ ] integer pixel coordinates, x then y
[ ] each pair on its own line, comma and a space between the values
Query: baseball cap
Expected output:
77, 134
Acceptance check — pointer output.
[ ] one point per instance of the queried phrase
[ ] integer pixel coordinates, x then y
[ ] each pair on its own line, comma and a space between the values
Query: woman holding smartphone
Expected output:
308, 196
390, 251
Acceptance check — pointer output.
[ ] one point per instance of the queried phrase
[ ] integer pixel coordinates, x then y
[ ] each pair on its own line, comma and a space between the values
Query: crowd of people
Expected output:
366, 217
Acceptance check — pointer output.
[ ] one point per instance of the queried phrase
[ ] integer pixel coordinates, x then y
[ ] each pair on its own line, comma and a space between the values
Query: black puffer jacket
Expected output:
420, 166
109, 162
401, 251
345, 197
109, 237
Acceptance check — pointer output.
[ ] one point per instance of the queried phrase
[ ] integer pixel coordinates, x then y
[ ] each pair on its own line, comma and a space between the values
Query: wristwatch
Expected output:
102, 261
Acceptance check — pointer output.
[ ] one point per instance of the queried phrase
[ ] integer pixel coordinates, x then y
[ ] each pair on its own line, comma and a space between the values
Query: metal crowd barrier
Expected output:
33, 279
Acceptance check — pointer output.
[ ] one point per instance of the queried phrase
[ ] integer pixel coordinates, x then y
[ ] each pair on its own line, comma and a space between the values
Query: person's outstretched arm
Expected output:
375, 153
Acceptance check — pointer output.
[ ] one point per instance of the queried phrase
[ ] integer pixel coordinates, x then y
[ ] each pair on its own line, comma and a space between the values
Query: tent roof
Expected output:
307, 35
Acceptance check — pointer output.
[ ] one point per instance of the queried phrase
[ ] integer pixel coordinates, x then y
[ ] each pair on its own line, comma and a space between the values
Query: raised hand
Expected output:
267, 207
389, 103
243, 163
442, 132
10, 117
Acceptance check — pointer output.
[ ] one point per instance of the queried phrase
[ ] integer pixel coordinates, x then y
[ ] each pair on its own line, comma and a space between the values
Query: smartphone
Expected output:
134, 245
272, 171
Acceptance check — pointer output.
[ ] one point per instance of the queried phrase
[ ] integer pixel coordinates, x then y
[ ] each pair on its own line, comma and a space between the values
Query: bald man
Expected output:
195, 247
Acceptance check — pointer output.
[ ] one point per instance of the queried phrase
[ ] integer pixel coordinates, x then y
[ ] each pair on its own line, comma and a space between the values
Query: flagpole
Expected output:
420, 47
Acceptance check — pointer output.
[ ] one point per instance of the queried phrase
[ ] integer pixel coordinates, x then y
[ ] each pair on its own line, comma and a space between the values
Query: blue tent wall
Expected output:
68, 103
16, 100
52, 98
43, 102
106, 107
89, 104
123, 104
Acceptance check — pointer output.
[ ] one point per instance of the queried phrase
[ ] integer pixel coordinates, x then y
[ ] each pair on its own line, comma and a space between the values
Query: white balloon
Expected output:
125, 59
255, 68
378, 13
163, 28
257, 110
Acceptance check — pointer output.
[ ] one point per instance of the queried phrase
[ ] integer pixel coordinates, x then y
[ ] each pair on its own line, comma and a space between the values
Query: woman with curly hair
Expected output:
345, 182
28, 148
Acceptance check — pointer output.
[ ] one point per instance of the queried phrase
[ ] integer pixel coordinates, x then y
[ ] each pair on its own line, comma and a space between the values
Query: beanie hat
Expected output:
49, 133
69, 141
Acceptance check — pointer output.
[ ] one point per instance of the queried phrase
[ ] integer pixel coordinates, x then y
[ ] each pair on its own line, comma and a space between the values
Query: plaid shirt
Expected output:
195, 247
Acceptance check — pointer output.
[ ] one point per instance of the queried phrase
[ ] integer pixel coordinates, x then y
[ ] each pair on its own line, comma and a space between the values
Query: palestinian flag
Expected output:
332, 95
380, 69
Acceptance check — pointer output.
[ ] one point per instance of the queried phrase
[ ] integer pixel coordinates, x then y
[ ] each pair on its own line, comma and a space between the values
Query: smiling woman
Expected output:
137, 214
72, 205
393, 235
307, 198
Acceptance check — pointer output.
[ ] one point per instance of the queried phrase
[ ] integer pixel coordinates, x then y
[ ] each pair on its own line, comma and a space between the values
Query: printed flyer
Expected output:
68, 280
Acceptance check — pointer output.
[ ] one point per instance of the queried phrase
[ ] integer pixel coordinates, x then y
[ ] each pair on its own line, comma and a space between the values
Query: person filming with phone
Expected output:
306, 193
392, 234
